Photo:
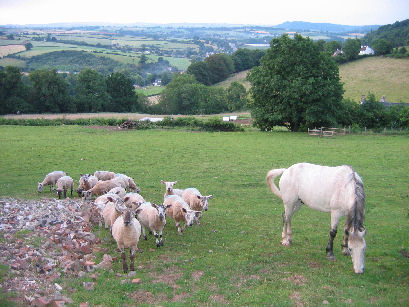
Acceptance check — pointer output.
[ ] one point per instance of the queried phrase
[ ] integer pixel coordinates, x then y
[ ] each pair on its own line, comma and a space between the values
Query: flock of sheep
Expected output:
128, 214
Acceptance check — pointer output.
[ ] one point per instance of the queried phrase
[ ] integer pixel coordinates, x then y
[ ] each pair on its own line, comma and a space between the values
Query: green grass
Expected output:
235, 256
378, 75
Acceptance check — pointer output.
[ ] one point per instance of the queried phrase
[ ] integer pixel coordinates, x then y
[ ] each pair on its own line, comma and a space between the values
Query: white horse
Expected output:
338, 190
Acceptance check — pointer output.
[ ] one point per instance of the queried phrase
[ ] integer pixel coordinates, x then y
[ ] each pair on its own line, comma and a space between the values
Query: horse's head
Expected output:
357, 246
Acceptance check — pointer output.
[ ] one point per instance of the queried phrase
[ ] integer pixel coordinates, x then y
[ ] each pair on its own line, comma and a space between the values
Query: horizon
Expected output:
259, 13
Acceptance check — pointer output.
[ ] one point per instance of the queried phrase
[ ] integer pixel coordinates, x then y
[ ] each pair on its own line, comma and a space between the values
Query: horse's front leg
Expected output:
345, 250
335, 216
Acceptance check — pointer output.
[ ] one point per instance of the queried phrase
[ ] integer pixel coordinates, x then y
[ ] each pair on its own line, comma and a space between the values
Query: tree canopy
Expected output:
295, 84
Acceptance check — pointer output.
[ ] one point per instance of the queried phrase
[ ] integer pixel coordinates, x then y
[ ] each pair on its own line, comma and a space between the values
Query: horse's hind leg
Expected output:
289, 210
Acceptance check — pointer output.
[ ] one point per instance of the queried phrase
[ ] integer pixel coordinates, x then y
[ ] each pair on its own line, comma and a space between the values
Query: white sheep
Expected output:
100, 203
132, 200
101, 187
180, 212
154, 217
126, 232
104, 175
50, 179
170, 190
63, 184
130, 183
112, 210
86, 182
120, 191
196, 201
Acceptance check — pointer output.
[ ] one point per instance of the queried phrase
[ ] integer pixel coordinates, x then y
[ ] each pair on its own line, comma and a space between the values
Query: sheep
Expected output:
133, 199
196, 201
63, 184
153, 217
104, 175
86, 182
180, 212
100, 188
130, 183
126, 232
120, 191
170, 190
50, 179
112, 210
100, 203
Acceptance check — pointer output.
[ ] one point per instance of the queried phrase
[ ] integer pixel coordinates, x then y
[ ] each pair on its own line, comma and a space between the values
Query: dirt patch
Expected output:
145, 297
296, 298
180, 297
314, 265
297, 279
197, 274
242, 280
168, 276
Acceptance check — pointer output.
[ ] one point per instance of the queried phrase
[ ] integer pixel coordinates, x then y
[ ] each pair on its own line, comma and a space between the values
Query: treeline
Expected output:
218, 67
142, 73
46, 91
396, 35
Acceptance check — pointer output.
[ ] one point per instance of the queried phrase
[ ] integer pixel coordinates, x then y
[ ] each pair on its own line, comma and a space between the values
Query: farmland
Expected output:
235, 256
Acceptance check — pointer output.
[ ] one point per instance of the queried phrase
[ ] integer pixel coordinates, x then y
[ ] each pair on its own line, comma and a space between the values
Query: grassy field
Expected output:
378, 75
235, 256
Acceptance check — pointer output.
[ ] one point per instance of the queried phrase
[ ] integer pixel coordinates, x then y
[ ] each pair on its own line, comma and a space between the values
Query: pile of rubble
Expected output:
40, 239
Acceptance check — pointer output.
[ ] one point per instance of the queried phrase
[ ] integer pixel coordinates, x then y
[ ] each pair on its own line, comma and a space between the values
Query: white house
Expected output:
366, 50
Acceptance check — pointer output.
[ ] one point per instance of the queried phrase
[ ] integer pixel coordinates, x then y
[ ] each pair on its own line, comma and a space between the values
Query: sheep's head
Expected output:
204, 201
161, 210
169, 185
86, 194
40, 187
191, 215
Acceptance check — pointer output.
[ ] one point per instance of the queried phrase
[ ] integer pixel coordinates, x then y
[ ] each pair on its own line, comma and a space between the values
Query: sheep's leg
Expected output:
132, 259
124, 264
197, 221
157, 238
160, 238
179, 229
144, 233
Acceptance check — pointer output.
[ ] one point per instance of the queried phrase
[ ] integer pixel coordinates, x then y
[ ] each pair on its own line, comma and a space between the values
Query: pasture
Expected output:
235, 256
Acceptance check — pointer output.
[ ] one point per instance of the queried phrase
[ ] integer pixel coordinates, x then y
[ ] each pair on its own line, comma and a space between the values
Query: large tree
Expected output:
295, 84
13, 92
121, 90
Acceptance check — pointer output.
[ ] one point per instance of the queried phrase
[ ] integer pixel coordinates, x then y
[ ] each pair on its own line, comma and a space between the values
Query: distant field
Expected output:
10, 49
12, 62
378, 75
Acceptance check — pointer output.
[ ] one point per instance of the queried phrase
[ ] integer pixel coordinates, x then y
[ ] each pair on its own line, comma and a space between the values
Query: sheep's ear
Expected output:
110, 199
175, 182
137, 204
198, 213
163, 182
126, 199
198, 197
168, 206
184, 210
210, 196
81, 175
155, 206
137, 211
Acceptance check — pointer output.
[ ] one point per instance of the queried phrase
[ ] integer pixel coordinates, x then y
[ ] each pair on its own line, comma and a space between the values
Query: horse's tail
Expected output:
355, 217
271, 175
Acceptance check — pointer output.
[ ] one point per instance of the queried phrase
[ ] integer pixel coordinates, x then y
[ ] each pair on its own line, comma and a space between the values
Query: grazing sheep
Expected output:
133, 199
86, 182
100, 188
126, 232
112, 210
130, 183
196, 201
180, 212
153, 217
63, 184
120, 191
104, 175
50, 179
170, 190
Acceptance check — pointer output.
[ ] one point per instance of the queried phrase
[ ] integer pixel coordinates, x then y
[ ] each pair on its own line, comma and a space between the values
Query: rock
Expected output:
58, 287
40, 301
132, 274
136, 281
89, 285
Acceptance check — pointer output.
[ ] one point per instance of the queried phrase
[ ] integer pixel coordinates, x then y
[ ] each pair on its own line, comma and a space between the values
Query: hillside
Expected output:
397, 34
378, 75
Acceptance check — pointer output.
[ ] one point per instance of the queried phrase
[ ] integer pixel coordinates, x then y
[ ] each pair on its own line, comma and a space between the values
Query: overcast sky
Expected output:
264, 12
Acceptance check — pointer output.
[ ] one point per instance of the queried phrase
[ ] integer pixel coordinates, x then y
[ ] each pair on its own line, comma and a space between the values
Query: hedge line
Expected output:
211, 124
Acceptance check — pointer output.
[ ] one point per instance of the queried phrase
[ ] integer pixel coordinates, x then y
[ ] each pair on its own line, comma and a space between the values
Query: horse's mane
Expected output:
355, 216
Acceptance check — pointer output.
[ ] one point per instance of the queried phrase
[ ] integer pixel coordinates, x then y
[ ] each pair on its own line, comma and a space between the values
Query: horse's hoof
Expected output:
331, 257
346, 252
286, 243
